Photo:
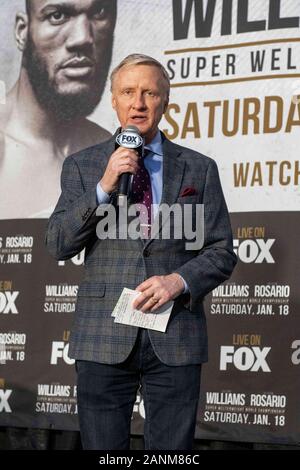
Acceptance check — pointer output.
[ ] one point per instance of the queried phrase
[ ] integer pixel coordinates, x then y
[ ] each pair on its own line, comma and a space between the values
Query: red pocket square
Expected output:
188, 192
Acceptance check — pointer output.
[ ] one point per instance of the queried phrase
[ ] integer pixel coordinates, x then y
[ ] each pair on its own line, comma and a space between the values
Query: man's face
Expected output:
68, 53
139, 97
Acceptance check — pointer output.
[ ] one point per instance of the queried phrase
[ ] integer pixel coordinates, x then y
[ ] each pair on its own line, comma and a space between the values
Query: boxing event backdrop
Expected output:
235, 94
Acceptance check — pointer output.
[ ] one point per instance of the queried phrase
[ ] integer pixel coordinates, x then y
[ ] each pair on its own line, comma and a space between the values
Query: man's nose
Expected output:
139, 101
81, 33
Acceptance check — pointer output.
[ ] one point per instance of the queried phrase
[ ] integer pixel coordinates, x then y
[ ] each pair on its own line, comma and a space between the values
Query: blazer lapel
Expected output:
173, 171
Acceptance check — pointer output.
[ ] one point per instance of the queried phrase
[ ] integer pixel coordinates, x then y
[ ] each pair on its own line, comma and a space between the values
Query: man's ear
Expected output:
166, 105
21, 30
113, 102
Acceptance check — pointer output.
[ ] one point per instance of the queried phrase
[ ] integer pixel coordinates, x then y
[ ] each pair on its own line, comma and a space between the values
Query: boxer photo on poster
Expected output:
66, 49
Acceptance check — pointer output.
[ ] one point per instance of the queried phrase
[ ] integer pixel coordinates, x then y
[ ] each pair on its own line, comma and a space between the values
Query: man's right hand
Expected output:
121, 161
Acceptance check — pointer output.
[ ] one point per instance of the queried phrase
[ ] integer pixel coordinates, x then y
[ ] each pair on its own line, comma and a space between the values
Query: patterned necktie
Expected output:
142, 195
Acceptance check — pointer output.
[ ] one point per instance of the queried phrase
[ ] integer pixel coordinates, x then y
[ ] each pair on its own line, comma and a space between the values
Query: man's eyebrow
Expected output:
67, 7
59, 5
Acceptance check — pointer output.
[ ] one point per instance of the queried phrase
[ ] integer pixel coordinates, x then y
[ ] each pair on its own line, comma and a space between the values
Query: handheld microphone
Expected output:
129, 138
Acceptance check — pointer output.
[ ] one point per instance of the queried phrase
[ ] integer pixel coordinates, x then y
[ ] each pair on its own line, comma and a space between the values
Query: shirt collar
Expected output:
155, 145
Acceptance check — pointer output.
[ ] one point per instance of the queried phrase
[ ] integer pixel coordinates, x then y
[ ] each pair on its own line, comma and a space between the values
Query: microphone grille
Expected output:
132, 128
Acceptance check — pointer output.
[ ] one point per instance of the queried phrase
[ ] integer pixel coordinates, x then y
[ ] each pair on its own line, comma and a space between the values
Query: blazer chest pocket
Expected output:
189, 214
192, 199
91, 289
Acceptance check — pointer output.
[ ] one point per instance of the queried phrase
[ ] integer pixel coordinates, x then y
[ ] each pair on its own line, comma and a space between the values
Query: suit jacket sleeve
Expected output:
216, 259
72, 224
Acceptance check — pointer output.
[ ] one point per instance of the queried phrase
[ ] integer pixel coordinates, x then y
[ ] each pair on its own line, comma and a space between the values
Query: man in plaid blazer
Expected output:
114, 360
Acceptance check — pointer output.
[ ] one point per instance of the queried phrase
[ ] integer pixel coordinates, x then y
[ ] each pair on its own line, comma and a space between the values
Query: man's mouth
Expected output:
138, 118
78, 67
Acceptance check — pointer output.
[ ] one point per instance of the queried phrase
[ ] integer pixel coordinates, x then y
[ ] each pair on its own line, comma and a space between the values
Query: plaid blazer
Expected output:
111, 265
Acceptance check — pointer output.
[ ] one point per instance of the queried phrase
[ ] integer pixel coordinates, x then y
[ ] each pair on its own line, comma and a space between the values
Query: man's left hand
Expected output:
157, 290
